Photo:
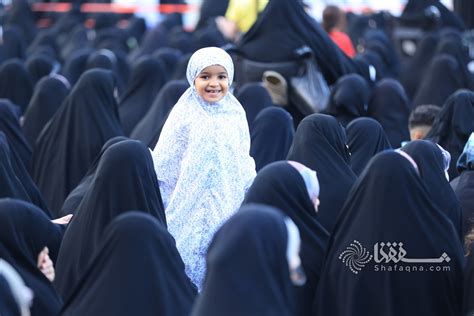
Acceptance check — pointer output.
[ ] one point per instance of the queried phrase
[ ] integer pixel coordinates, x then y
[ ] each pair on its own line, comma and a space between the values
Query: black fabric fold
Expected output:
366, 138
125, 180
453, 126
24, 232
389, 105
284, 26
74, 136
146, 82
10, 125
75, 197
148, 130
430, 161
247, 269
320, 144
15, 83
349, 98
281, 186
137, 270
254, 98
271, 136
389, 210
48, 95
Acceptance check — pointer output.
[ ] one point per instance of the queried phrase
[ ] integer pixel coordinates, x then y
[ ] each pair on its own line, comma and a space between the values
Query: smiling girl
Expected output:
202, 158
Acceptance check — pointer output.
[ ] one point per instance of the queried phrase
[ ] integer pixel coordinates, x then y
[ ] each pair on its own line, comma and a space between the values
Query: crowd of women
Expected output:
138, 176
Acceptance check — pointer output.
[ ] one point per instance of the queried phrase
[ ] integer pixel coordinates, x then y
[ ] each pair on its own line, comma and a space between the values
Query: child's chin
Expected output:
213, 100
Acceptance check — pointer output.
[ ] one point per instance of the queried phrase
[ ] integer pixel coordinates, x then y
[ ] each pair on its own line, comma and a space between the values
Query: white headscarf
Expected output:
206, 57
21, 293
311, 181
203, 164
446, 160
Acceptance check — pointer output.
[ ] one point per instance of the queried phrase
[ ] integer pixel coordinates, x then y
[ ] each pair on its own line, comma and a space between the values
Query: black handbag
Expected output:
247, 70
309, 91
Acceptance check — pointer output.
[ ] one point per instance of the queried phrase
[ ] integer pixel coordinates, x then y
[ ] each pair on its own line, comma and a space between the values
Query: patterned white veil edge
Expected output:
203, 164
21, 293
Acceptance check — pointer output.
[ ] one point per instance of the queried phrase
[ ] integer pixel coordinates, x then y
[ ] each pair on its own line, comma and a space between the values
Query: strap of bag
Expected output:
303, 55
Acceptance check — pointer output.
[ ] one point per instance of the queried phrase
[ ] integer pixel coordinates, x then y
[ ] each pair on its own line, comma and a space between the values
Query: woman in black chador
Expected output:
389, 225
282, 28
70, 142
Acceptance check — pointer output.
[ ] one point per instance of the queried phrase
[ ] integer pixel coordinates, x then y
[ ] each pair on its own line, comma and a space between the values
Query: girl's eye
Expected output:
222, 77
205, 77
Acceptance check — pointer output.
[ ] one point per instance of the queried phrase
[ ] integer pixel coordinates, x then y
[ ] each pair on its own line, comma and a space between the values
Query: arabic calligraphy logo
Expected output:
386, 252
355, 257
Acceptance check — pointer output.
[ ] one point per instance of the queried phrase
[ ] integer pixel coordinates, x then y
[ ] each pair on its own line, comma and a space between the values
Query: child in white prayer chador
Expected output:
202, 158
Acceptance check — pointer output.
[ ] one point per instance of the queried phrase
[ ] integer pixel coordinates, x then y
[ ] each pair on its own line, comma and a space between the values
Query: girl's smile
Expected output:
212, 83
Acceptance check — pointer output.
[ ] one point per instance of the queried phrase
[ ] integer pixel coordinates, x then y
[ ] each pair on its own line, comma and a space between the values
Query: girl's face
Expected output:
212, 83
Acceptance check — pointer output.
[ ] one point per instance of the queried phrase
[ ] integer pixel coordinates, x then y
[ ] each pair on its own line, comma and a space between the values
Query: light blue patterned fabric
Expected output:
466, 160
446, 160
203, 164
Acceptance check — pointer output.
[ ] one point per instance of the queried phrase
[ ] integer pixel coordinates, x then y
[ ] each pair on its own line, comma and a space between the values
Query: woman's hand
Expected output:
63, 220
45, 264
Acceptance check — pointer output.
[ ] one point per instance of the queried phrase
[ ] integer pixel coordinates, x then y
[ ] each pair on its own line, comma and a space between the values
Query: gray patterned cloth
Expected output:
203, 164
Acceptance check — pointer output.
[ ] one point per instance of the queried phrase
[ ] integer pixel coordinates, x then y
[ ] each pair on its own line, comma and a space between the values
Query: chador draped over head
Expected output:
416, 10
432, 165
24, 232
389, 211
254, 98
283, 27
453, 126
282, 186
10, 125
10, 184
14, 44
148, 130
70, 142
39, 66
22, 16
320, 144
349, 98
272, 136
463, 185
75, 64
137, 250
124, 181
453, 44
247, 267
48, 95
202, 162
15, 83
441, 79
366, 138
15, 179
75, 197
210, 9
107, 59
412, 71
389, 106
148, 78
